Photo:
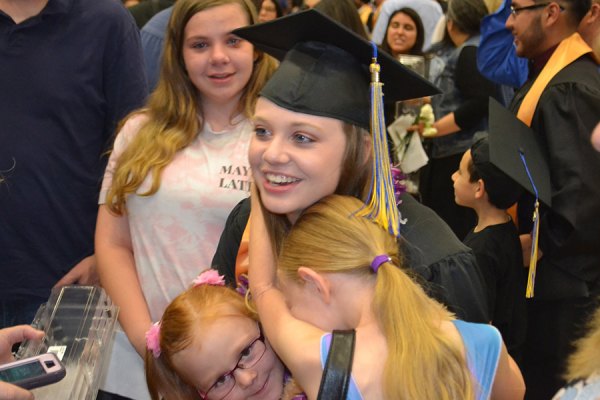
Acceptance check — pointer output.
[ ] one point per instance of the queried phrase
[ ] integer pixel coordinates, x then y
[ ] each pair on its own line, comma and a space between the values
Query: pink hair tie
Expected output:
209, 277
377, 261
153, 339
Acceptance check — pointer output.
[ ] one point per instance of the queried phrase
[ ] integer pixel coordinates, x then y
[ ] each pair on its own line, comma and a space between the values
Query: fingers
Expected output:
69, 279
12, 392
84, 273
19, 333
13, 335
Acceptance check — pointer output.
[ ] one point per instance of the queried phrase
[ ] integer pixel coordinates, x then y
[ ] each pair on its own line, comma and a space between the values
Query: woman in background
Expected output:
269, 10
404, 33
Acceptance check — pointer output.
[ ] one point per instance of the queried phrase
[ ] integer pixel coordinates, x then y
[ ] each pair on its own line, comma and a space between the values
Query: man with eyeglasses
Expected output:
496, 56
561, 103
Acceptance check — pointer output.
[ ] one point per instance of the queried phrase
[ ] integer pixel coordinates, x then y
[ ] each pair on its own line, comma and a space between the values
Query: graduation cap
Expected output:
516, 150
329, 71
325, 68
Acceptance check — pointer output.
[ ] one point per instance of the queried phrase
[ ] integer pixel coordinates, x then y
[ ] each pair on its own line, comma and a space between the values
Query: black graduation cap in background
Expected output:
516, 150
325, 68
509, 140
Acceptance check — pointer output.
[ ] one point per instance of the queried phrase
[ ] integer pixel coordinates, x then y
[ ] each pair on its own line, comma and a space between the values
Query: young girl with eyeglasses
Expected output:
209, 345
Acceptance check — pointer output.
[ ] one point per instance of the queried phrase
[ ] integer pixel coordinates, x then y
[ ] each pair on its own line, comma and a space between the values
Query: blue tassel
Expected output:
380, 205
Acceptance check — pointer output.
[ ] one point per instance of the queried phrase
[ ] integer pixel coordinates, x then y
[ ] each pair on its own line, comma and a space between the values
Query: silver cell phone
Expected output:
33, 372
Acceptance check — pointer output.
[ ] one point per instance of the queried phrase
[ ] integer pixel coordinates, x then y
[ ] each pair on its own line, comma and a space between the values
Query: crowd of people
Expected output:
221, 168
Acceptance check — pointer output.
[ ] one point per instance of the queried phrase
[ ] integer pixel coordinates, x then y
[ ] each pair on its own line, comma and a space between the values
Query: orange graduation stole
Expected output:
569, 50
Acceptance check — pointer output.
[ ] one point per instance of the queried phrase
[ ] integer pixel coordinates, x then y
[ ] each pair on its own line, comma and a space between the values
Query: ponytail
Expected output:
329, 238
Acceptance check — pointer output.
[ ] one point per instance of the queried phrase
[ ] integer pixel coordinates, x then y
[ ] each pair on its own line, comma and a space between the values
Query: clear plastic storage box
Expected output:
79, 322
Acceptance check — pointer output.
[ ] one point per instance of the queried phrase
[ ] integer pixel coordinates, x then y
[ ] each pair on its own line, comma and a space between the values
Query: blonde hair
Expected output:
328, 237
173, 109
354, 179
183, 318
585, 361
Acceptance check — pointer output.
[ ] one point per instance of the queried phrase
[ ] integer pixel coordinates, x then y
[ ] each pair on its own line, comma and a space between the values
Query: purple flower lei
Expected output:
397, 178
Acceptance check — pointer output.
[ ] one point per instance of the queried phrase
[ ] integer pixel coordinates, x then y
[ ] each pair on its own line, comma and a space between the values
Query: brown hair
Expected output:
173, 109
344, 12
467, 15
417, 49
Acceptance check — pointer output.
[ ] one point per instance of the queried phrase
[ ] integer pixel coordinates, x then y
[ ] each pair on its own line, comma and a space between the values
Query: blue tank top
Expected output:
482, 342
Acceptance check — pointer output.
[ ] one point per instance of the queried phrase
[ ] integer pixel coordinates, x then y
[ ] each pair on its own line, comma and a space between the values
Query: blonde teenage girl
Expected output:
177, 168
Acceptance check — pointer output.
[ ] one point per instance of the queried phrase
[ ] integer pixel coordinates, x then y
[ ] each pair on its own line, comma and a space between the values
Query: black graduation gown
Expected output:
567, 112
443, 265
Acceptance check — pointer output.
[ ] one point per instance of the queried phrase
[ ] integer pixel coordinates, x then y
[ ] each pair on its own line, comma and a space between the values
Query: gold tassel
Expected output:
534, 251
381, 204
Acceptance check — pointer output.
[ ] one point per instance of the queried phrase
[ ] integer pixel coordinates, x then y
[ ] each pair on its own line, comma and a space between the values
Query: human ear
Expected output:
316, 283
480, 189
594, 12
552, 13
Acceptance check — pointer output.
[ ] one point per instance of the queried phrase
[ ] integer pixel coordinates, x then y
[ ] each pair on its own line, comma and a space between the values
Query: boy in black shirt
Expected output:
480, 185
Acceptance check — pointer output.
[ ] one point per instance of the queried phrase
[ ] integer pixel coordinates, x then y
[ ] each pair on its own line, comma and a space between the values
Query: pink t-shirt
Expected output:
175, 232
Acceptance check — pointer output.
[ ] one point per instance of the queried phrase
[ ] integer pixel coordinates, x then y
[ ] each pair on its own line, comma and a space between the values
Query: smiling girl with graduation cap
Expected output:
332, 86
316, 134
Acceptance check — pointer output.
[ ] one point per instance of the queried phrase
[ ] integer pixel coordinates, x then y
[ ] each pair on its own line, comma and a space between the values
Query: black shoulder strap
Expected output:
336, 375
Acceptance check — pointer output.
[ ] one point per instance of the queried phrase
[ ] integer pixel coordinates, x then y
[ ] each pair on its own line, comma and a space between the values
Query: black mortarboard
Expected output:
329, 71
325, 68
501, 189
516, 150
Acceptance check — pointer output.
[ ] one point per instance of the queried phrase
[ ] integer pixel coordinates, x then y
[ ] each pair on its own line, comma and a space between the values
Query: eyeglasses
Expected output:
249, 357
516, 10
